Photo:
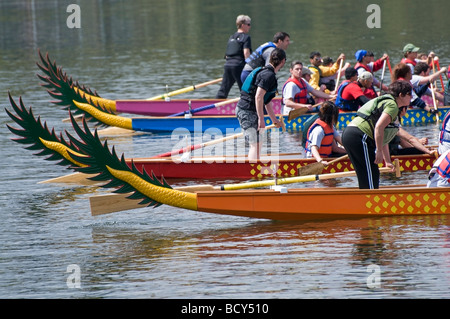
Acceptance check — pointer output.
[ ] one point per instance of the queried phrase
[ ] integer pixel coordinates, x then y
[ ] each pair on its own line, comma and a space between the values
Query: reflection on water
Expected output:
227, 259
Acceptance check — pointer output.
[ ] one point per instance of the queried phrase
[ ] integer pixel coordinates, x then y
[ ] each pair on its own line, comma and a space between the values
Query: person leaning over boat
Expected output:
367, 137
250, 107
261, 56
350, 95
439, 175
239, 48
319, 71
322, 135
295, 90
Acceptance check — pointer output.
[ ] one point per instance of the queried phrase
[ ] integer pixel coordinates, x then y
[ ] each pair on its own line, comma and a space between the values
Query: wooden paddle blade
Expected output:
311, 169
296, 113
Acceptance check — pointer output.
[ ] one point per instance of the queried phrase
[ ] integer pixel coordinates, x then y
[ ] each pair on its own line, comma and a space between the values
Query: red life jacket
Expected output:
444, 167
408, 61
365, 67
326, 146
300, 97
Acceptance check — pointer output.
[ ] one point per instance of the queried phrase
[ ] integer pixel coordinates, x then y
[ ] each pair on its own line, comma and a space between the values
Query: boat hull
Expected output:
239, 168
175, 106
326, 203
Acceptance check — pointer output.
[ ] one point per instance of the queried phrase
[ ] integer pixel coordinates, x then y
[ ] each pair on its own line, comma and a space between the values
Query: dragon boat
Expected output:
81, 100
173, 165
95, 157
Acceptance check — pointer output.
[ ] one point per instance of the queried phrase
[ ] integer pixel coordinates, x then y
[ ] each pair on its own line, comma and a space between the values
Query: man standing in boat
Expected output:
261, 56
239, 48
258, 91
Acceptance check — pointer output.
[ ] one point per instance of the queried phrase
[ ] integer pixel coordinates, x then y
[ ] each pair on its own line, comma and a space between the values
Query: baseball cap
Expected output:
360, 54
306, 71
365, 76
410, 48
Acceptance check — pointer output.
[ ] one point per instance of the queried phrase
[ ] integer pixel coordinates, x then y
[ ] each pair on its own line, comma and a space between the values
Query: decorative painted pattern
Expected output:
287, 169
417, 203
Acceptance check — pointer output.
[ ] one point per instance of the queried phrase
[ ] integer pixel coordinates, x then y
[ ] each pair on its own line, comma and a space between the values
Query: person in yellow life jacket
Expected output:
319, 71
439, 175
322, 139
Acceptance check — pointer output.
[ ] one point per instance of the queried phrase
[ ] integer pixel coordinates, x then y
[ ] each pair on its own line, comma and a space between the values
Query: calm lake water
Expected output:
134, 49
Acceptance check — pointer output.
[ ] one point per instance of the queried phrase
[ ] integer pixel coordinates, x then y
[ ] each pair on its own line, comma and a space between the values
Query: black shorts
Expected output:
248, 121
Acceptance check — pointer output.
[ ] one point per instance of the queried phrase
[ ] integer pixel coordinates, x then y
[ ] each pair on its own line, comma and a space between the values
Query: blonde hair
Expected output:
242, 19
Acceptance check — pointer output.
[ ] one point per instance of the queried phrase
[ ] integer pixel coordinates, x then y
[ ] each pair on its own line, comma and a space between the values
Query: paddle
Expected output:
440, 76
389, 65
201, 145
184, 90
110, 203
317, 167
434, 101
293, 114
382, 76
339, 75
206, 107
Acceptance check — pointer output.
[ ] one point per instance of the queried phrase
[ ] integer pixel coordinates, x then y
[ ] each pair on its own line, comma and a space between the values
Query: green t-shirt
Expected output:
390, 107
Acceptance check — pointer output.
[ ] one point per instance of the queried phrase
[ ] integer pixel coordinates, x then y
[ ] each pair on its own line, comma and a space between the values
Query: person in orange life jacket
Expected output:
250, 107
439, 175
322, 136
261, 56
366, 63
239, 47
319, 71
306, 75
350, 95
295, 90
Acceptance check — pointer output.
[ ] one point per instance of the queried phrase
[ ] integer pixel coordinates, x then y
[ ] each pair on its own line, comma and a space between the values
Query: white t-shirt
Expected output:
415, 83
289, 92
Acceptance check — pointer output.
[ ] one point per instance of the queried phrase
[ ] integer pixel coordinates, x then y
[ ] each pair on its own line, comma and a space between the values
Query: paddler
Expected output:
367, 137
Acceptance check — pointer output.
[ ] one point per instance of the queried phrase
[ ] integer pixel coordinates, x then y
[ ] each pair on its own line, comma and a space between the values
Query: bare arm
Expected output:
413, 141
381, 124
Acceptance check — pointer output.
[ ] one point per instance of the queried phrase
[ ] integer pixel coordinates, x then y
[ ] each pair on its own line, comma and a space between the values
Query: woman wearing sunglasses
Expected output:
367, 137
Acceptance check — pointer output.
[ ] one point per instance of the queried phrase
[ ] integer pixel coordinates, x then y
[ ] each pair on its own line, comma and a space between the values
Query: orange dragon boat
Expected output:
277, 203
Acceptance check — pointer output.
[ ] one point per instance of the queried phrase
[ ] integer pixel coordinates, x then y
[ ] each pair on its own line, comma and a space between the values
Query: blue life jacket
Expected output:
249, 85
255, 59
344, 104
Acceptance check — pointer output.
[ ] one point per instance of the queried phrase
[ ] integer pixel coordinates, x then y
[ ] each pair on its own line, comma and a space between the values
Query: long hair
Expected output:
401, 70
277, 56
